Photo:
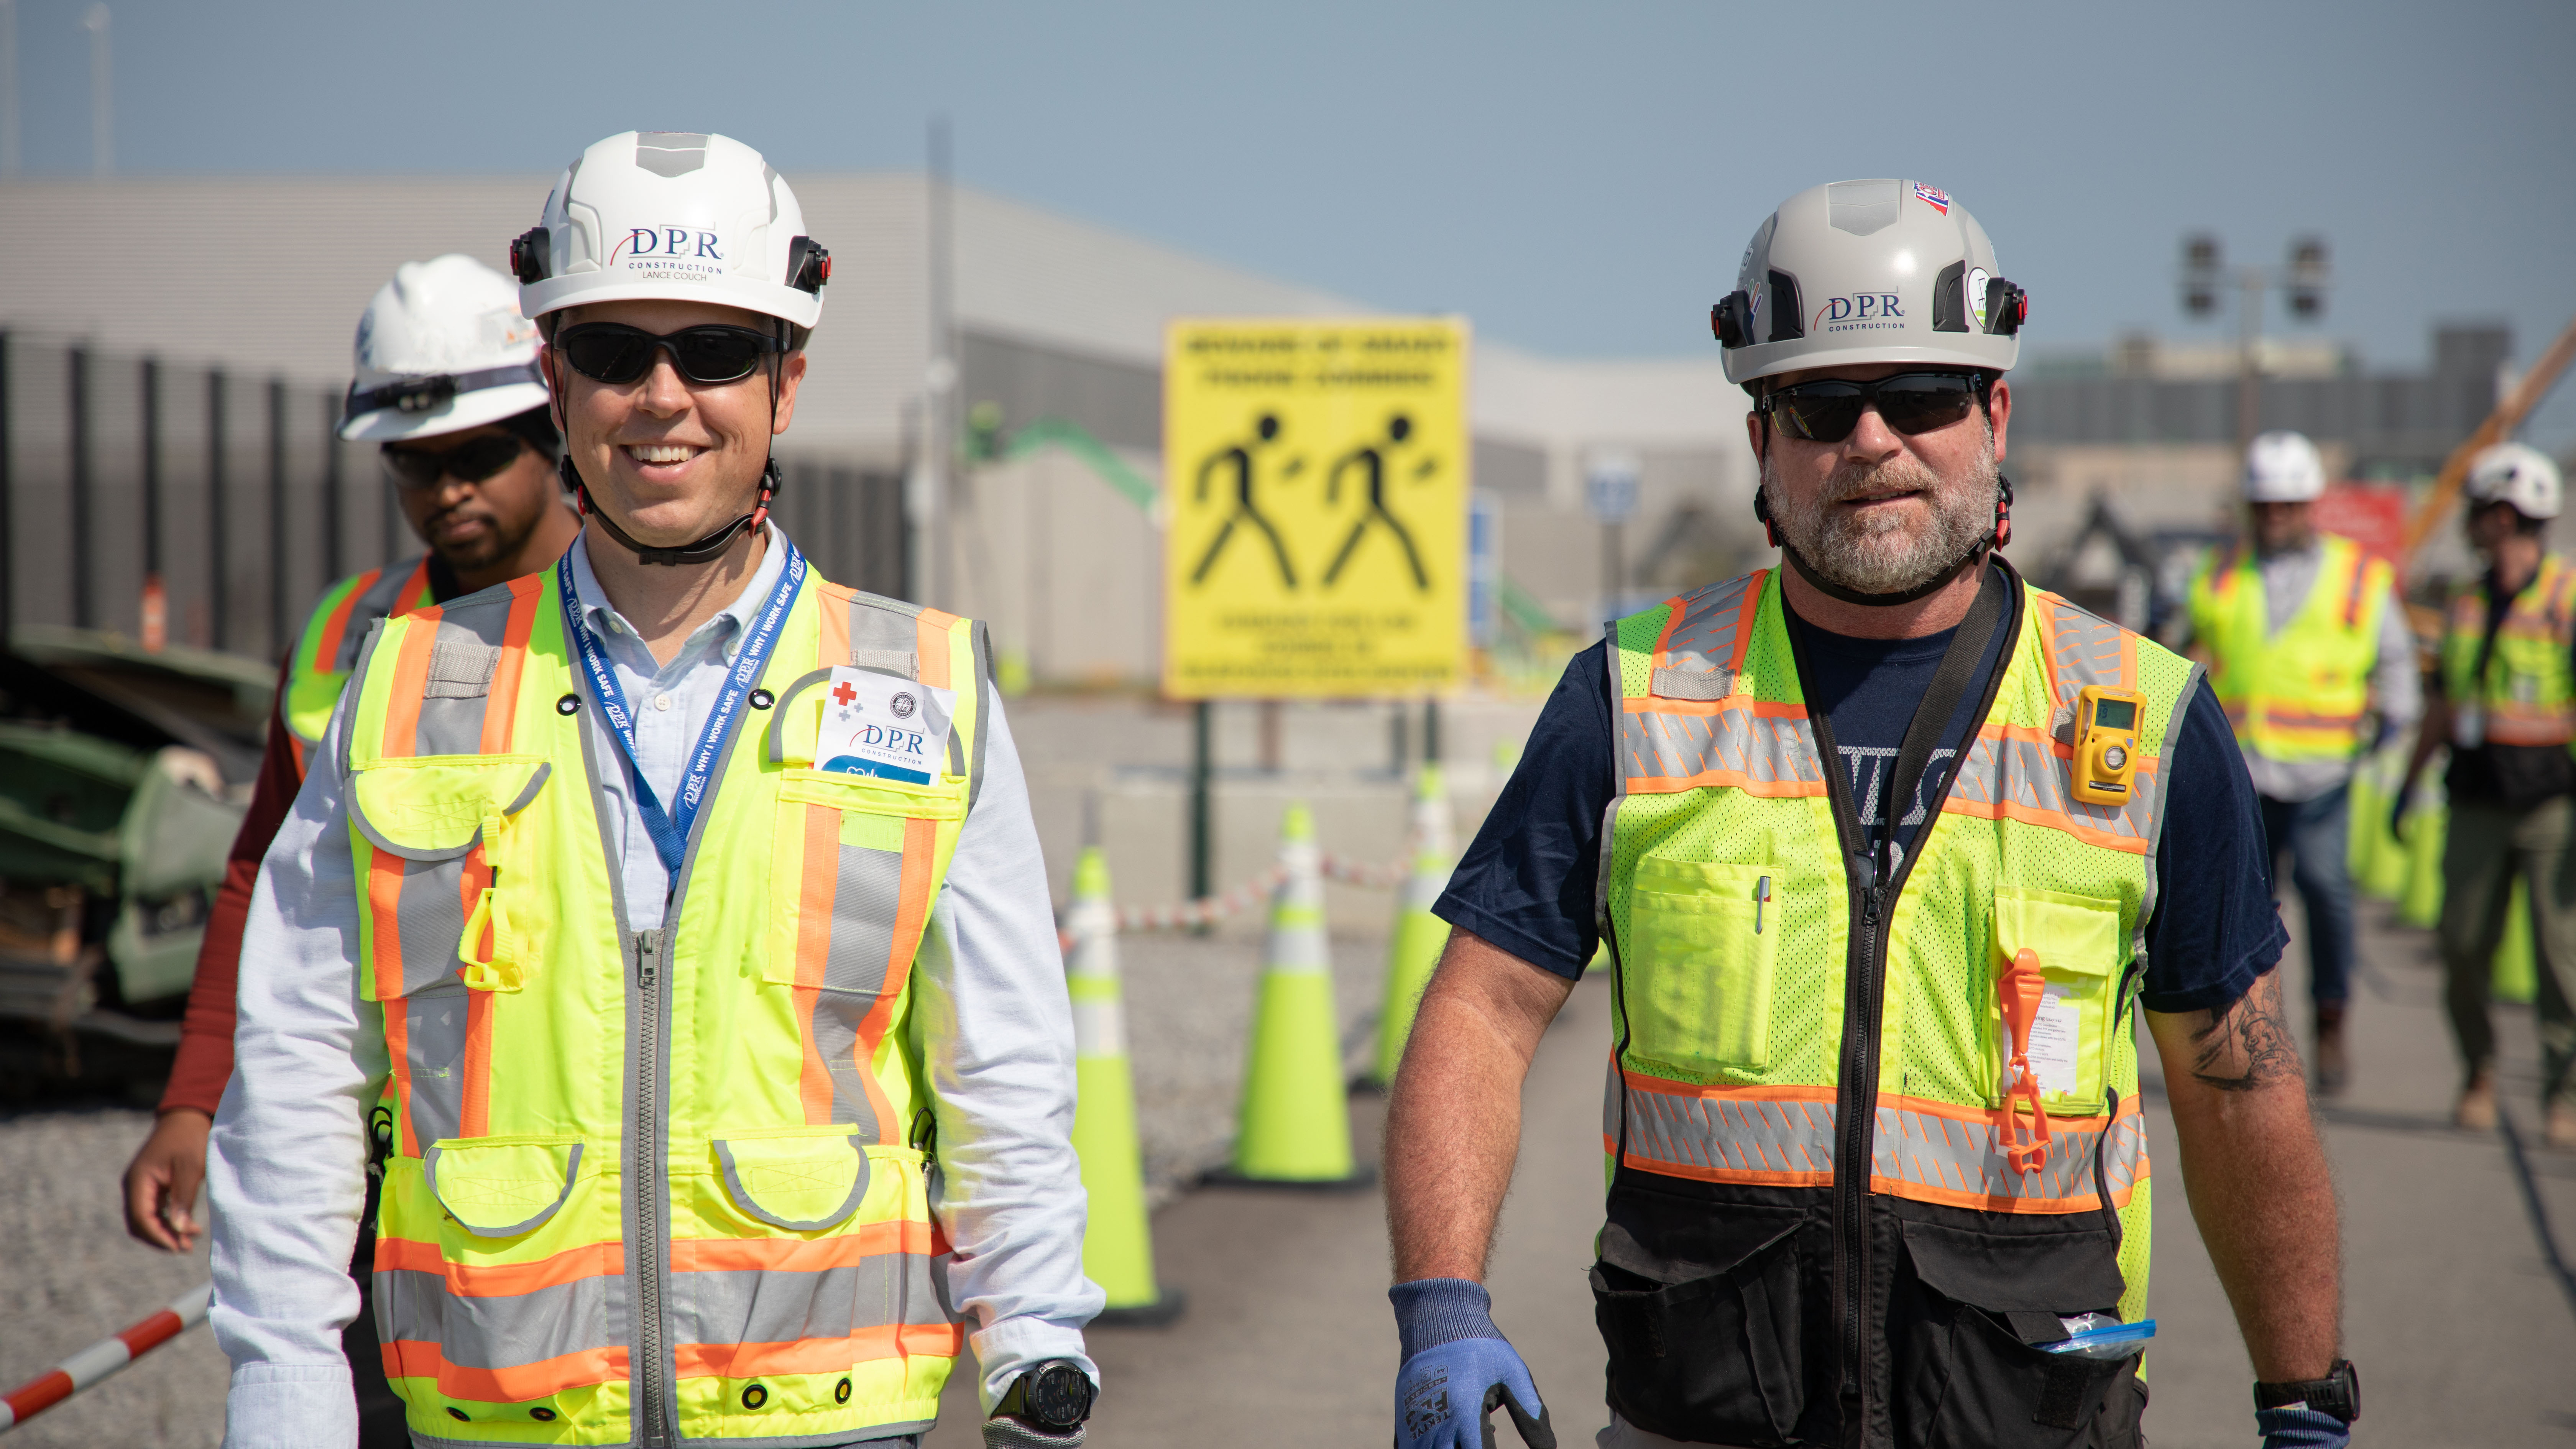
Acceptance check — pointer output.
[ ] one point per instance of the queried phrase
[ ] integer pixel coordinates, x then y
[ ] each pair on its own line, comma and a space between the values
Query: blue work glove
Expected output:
1458, 1369
2300, 1427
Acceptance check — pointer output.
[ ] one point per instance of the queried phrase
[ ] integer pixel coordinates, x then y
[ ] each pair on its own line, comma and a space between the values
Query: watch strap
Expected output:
2337, 1394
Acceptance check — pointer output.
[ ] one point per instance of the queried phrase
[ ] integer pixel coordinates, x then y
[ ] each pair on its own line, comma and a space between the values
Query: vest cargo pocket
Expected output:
2081, 948
501, 1187
1702, 938
800, 1179
1966, 1323
1715, 1359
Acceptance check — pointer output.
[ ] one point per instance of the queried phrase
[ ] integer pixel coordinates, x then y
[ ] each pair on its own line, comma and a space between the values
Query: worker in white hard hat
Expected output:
1884, 845
447, 386
2308, 649
2505, 704
670, 928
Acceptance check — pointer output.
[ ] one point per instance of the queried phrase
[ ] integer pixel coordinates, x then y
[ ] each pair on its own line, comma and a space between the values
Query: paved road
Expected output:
2464, 1327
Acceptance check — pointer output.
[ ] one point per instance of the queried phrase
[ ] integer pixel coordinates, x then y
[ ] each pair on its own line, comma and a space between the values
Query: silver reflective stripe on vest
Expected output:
434, 1024
1943, 1152
777, 1305
500, 1331
470, 633
1748, 1139
2031, 778
1731, 1134
1766, 754
1704, 638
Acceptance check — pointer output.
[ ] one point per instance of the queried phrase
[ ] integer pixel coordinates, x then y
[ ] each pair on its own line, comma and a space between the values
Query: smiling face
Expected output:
1882, 512
669, 460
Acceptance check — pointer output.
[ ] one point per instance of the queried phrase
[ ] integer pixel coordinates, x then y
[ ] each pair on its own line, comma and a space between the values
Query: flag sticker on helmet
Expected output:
1933, 197
1976, 294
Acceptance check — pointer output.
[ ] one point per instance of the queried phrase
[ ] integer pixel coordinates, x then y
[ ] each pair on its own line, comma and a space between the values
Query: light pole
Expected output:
102, 103
2303, 278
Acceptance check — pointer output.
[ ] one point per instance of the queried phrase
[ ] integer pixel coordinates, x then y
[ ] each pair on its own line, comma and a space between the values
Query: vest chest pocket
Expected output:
2080, 949
1702, 940
438, 815
851, 866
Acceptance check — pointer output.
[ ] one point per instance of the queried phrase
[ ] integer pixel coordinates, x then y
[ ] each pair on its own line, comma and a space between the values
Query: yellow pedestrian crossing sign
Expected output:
1315, 474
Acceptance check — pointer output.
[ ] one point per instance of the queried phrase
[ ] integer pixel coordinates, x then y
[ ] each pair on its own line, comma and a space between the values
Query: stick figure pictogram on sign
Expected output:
1372, 458
1245, 510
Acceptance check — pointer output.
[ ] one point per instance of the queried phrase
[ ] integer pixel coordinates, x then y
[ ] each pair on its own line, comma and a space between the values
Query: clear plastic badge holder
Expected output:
2099, 1335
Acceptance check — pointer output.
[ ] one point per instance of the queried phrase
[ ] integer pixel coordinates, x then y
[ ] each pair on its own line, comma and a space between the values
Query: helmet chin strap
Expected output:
704, 550
1940, 580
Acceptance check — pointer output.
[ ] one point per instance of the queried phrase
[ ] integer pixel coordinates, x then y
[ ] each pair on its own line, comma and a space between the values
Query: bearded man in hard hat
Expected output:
1885, 846
447, 386
671, 927
2306, 641
2506, 706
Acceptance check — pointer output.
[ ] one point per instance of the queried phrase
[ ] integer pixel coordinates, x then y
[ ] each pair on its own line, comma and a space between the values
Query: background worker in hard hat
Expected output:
2506, 706
447, 385
1873, 1119
715, 1051
2305, 640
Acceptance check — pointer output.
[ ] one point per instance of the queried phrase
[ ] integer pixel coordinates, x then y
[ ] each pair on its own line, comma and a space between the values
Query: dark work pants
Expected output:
2488, 848
2316, 833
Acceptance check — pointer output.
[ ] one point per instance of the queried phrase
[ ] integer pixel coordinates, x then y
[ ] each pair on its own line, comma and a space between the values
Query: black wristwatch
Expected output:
1055, 1397
2337, 1395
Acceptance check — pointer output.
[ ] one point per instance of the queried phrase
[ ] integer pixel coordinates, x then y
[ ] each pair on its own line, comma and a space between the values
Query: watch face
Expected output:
1059, 1396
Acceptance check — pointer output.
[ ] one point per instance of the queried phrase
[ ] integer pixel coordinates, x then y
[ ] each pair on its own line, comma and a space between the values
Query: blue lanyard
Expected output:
671, 835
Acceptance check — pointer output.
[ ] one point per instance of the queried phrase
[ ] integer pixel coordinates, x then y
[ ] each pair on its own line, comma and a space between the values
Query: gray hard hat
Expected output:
1869, 271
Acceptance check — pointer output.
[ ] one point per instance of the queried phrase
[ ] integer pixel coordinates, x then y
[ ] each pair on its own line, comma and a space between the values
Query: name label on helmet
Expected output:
672, 253
1859, 312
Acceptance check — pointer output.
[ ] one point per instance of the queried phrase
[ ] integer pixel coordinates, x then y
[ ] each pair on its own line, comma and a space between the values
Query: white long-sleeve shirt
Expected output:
285, 1165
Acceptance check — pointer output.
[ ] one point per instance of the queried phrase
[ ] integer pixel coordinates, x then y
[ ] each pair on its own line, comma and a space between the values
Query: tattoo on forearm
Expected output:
2247, 1045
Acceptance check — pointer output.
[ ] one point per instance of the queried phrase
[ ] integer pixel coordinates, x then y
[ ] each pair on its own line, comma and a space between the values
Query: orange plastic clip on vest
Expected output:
2022, 988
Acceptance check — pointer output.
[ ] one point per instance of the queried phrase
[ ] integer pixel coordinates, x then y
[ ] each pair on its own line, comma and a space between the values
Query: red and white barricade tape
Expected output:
103, 1358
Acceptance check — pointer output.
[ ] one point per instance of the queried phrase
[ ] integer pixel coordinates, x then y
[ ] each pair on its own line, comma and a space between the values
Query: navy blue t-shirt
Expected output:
1526, 884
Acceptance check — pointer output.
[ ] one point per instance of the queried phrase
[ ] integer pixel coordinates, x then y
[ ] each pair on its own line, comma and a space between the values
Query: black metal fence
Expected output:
236, 493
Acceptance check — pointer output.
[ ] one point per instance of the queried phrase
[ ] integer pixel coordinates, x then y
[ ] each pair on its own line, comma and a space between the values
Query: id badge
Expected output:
2468, 727
875, 724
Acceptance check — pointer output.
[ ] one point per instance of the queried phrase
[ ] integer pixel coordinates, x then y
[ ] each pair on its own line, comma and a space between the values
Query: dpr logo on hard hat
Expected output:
1860, 312
672, 253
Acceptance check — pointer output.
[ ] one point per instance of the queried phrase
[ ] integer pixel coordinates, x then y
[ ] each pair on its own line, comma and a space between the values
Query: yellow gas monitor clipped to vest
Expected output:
2106, 743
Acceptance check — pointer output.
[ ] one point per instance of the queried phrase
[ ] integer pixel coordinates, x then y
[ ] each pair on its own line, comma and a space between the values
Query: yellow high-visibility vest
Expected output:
2300, 694
1816, 1207
327, 650
666, 1181
2526, 694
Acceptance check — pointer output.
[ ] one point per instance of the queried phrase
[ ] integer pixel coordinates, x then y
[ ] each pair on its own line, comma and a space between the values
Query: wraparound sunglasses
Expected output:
1826, 411
615, 353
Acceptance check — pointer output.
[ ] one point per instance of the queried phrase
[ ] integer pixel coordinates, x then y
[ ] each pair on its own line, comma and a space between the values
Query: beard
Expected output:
1880, 552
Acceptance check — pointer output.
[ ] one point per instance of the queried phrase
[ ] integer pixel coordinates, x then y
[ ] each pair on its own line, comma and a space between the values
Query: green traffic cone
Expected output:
2382, 875
1294, 1126
1117, 1240
1419, 935
2425, 829
2515, 975
2365, 819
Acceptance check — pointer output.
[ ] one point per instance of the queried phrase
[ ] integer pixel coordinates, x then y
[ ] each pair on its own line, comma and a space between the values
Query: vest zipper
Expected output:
1865, 974
650, 1149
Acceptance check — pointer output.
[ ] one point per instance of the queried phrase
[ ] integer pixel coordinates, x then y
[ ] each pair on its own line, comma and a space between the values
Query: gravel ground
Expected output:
69, 1276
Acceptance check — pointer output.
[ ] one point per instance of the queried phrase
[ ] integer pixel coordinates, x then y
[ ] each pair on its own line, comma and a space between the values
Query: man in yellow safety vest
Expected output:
670, 929
1886, 848
2506, 707
2306, 641
447, 386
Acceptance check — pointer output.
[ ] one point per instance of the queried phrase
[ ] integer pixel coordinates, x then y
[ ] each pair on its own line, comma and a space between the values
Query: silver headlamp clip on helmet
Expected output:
1860, 272
690, 217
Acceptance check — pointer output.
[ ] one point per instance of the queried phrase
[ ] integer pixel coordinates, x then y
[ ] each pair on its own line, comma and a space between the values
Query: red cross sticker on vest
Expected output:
843, 694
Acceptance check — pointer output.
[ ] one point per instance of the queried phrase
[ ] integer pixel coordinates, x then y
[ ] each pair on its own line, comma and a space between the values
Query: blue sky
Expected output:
1579, 179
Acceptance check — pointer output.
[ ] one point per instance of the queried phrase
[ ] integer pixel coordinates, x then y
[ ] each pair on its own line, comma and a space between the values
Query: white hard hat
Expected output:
2284, 467
1869, 271
442, 348
2519, 474
676, 214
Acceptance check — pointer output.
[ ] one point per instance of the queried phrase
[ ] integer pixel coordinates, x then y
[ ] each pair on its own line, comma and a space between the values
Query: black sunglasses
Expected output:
613, 352
471, 461
1826, 411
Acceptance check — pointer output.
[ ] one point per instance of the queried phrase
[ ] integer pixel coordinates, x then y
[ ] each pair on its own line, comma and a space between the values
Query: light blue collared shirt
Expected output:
669, 703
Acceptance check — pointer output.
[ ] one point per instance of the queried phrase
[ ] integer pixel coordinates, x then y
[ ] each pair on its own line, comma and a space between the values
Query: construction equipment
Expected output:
2500, 424
123, 779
